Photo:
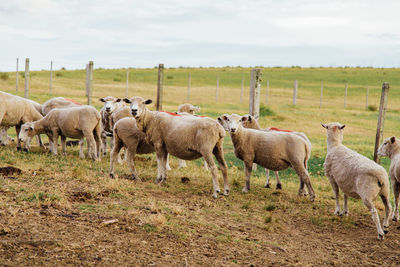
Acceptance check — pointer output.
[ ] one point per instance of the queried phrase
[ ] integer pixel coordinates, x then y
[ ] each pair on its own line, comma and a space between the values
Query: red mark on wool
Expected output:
279, 130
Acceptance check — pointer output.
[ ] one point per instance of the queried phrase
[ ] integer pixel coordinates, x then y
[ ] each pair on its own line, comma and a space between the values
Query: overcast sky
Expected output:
119, 33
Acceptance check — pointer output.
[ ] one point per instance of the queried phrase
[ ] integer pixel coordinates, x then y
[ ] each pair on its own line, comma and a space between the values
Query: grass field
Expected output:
52, 212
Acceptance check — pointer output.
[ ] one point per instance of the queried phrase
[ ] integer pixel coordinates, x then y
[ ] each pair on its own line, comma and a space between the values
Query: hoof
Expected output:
215, 195
267, 186
278, 186
395, 219
245, 190
343, 213
112, 176
386, 231
226, 192
381, 237
18, 148
25, 150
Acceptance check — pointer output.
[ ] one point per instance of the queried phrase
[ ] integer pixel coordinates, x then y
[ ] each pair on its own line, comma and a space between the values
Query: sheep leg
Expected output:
182, 163
104, 143
168, 168
81, 143
97, 138
91, 144
345, 211
131, 164
247, 169
18, 129
205, 165
55, 142
63, 145
278, 182
3, 136
375, 217
305, 178
254, 168
267, 178
218, 151
335, 188
39, 140
162, 157
396, 192
388, 210
210, 161
114, 154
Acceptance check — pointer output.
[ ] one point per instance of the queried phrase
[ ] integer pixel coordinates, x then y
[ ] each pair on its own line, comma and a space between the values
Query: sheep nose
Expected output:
233, 130
20, 139
134, 112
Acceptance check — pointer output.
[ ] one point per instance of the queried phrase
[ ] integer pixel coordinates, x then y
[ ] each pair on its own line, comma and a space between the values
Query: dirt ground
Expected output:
48, 234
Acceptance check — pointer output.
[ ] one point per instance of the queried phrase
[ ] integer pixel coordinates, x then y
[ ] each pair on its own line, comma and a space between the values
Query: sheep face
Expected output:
138, 105
334, 131
385, 150
233, 122
189, 108
223, 122
26, 133
248, 121
110, 103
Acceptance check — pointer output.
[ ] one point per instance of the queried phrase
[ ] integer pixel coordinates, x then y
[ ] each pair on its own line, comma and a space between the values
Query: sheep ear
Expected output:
118, 100
244, 118
127, 100
102, 99
250, 118
392, 139
342, 127
197, 108
324, 125
219, 118
148, 101
225, 118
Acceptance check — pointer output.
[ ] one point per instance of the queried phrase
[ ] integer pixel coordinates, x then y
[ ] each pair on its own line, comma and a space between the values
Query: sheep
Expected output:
391, 148
273, 150
126, 134
14, 111
356, 175
58, 102
111, 104
73, 122
184, 137
249, 121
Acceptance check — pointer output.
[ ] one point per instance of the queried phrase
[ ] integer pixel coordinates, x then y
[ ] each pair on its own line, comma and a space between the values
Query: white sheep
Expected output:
356, 175
58, 102
272, 150
111, 104
391, 148
14, 111
126, 134
184, 137
249, 121
75, 122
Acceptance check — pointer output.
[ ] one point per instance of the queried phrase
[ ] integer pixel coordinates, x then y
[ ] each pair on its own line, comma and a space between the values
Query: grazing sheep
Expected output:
273, 150
74, 122
391, 148
57, 102
111, 104
14, 111
251, 122
184, 137
126, 134
356, 175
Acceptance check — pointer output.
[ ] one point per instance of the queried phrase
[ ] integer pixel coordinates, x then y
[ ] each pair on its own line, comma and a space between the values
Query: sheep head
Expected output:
111, 103
137, 105
334, 132
388, 146
27, 132
233, 122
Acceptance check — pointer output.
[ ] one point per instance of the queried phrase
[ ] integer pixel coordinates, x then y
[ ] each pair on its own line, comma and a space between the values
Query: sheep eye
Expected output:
26, 130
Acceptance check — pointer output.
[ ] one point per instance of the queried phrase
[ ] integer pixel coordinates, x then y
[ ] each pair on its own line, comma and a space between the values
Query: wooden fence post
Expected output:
89, 80
320, 97
160, 86
188, 88
216, 89
255, 85
241, 91
51, 78
127, 82
381, 118
366, 99
26, 94
345, 95
267, 93
16, 78
294, 92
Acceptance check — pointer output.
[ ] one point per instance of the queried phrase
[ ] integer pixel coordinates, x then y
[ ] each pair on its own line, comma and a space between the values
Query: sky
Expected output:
121, 33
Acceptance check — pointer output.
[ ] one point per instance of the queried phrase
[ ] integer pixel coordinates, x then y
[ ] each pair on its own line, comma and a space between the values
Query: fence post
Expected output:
16, 78
51, 78
345, 95
266, 93
255, 85
188, 89
127, 82
294, 92
366, 98
89, 80
241, 91
381, 118
160, 86
216, 90
320, 97
26, 94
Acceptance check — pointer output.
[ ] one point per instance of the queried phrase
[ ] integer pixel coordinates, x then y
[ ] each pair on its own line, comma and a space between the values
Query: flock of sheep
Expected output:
188, 136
